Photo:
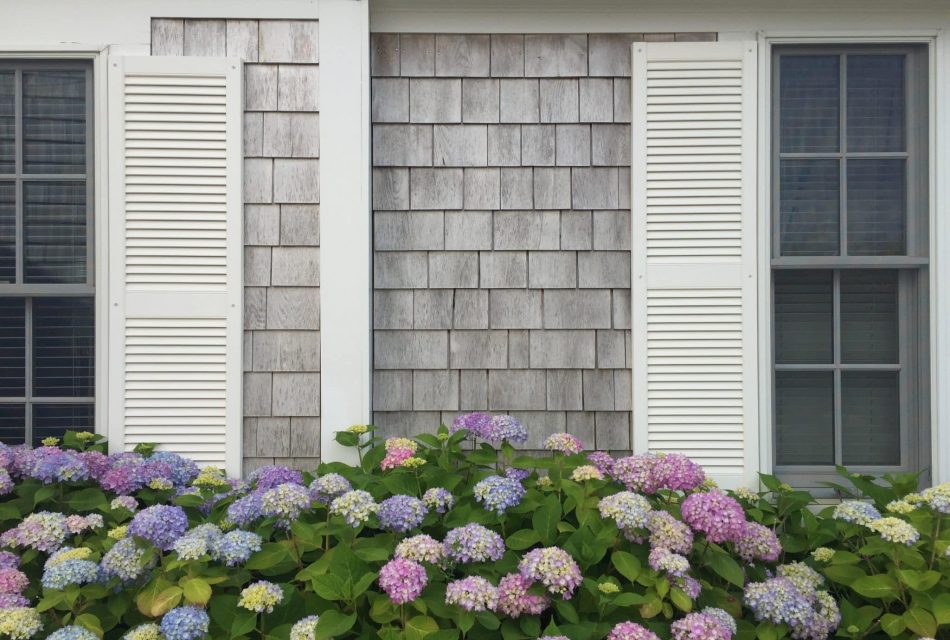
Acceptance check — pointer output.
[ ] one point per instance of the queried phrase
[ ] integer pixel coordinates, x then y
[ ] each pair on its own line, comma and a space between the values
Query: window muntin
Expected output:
47, 317
849, 258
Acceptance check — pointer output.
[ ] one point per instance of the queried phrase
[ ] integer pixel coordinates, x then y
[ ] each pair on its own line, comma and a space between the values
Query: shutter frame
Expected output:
688, 257
177, 308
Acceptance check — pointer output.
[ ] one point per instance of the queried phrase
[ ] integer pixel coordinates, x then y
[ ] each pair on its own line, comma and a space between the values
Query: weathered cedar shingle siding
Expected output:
502, 230
282, 231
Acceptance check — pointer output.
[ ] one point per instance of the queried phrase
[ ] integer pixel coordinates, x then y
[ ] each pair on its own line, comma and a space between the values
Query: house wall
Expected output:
501, 173
281, 224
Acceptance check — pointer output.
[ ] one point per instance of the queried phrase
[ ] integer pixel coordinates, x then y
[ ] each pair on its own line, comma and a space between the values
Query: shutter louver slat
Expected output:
693, 197
176, 208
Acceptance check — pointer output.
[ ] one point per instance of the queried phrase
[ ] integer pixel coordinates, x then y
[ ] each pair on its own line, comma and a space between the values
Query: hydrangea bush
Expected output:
447, 536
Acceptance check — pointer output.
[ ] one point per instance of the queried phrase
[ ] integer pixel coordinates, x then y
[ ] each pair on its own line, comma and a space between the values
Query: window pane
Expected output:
54, 238
869, 333
7, 232
7, 122
803, 317
12, 424
877, 205
54, 122
809, 110
53, 420
12, 347
809, 207
804, 417
870, 418
63, 347
876, 103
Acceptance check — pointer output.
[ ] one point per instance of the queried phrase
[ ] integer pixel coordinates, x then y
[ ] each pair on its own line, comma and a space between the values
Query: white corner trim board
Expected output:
346, 286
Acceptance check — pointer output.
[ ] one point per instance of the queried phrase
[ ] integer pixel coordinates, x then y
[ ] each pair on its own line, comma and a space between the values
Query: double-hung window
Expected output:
849, 260
47, 327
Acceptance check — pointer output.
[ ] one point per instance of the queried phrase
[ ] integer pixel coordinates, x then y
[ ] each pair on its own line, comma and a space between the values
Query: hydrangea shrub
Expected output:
447, 536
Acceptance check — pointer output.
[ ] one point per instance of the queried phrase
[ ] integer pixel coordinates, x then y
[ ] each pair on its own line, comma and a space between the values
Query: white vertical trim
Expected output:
346, 283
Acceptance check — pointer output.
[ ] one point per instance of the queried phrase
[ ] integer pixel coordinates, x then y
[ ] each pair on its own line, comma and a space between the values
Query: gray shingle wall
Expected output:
281, 225
501, 172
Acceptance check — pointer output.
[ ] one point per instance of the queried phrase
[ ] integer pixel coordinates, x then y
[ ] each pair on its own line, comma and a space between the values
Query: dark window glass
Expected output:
12, 419
54, 122
804, 417
53, 420
876, 103
869, 325
7, 122
803, 317
63, 347
870, 418
877, 207
7, 232
12, 347
809, 104
54, 215
809, 208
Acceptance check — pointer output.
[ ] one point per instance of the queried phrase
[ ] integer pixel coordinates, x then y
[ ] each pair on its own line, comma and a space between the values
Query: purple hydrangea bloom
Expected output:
631, 631
473, 543
514, 599
758, 542
160, 524
554, 568
13, 581
52, 464
285, 502
124, 475
13, 601
235, 547
245, 510
9, 560
517, 474
479, 424
6, 482
666, 561
43, 531
499, 494
603, 461
185, 623
473, 593
506, 428
271, 476
715, 514
700, 626
181, 470
438, 499
401, 513
810, 614
402, 580
327, 487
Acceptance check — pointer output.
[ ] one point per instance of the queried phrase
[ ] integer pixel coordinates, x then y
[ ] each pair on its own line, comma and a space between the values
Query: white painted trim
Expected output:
939, 50
346, 285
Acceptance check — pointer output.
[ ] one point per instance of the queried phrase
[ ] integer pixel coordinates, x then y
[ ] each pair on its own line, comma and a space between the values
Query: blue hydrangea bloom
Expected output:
401, 513
161, 525
235, 547
185, 623
499, 494
72, 632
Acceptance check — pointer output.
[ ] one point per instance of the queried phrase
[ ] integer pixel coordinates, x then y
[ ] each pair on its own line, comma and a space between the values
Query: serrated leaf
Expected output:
627, 564
419, 627
332, 624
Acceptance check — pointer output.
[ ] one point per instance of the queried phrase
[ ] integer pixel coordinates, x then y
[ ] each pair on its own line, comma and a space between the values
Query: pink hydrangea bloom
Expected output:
402, 580
715, 514
631, 631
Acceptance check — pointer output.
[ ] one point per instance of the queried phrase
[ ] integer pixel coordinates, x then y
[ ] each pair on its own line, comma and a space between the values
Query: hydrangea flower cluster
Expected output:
792, 599
587, 472
758, 542
564, 443
285, 502
478, 424
666, 561
401, 513
160, 524
355, 506
715, 514
20, 623
13, 581
44, 531
701, 626
402, 580
856, 512
473, 543
631, 631
669, 533
327, 487
128, 503
399, 451
147, 631
938, 497
124, 561
305, 628
895, 530
505, 428
421, 548
515, 599
438, 499
235, 547
69, 566
603, 461
629, 510
499, 494
272, 476
261, 596
473, 593
185, 623
72, 632
650, 472
554, 568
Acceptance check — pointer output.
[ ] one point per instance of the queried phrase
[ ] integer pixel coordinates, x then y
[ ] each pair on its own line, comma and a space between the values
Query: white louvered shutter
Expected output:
175, 236
694, 254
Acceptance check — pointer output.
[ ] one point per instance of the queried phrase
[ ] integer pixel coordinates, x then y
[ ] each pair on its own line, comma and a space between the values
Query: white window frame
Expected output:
938, 52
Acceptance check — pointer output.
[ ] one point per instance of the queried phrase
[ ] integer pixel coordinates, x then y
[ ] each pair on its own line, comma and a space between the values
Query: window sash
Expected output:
913, 310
